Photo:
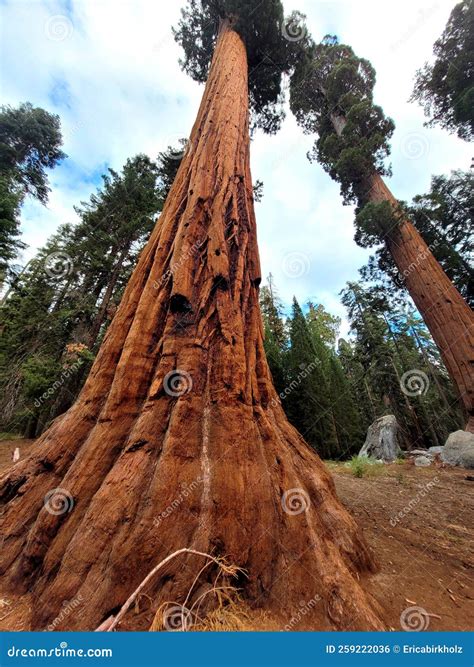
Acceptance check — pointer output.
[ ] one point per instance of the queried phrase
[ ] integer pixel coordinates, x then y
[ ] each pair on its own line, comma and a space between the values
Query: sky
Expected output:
110, 69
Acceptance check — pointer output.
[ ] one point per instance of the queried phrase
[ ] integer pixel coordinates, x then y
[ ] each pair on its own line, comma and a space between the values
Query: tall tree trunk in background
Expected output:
448, 317
102, 311
444, 311
410, 409
210, 440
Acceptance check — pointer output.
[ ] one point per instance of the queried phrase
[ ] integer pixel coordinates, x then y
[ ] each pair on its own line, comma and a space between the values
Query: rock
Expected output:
423, 461
459, 449
435, 450
419, 452
382, 439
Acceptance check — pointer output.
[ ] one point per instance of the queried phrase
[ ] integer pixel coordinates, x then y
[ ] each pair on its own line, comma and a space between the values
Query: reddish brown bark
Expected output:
128, 450
444, 311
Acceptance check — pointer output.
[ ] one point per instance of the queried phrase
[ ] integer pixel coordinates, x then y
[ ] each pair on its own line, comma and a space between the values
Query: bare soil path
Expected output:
420, 524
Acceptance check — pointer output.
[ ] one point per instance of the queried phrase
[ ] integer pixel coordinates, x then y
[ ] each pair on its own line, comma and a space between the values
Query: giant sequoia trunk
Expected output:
178, 438
446, 314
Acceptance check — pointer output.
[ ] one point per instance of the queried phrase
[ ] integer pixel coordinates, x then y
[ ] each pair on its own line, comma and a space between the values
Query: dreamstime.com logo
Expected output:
403, 275
414, 383
305, 608
61, 651
414, 619
177, 265
295, 264
414, 146
68, 607
58, 501
58, 383
413, 502
293, 29
58, 28
294, 384
177, 383
295, 501
58, 265
185, 492
177, 618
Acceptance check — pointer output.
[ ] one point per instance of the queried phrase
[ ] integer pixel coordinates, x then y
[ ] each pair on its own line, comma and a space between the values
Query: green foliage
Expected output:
30, 141
445, 88
53, 319
10, 201
391, 340
345, 411
358, 465
276, 338
307, 402
323, 324
258, 191
361, 465
308, 375
331, 95
333, 397
262, 27
373, 222
168, 163
39, 373
444, 217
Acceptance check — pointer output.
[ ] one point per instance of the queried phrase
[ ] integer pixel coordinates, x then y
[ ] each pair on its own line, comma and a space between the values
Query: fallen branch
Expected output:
227, 568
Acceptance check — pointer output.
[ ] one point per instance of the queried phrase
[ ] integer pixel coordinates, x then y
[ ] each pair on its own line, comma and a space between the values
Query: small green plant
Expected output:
361, 465
358, 465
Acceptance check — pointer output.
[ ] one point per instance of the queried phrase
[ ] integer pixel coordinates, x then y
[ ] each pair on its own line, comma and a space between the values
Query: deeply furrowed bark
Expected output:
150, 472
448, 317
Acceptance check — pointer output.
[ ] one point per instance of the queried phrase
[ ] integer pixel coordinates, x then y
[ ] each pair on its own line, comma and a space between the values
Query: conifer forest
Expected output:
236, 325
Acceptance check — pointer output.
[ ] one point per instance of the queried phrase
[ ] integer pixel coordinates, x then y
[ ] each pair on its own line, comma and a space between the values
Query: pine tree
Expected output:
444, 89
344, 410
402, 373
30, 143
308, 398
276, 338
325, 325
68, 295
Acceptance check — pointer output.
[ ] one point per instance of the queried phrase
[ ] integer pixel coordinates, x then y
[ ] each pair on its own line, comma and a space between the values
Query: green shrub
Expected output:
361, 465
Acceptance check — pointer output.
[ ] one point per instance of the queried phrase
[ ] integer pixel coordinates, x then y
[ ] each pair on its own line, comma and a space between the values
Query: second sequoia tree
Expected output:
332, 95
180, 406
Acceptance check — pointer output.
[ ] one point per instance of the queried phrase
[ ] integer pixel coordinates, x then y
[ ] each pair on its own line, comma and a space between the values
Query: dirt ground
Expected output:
425, 553
419, 522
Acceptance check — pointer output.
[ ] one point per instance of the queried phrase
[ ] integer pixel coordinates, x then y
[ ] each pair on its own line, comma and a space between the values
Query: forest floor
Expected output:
424, 553
419, 522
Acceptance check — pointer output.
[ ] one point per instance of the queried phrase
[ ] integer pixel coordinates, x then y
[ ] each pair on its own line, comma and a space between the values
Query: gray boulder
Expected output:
382, 439
423, 461
419, 452
435, 450
459, 449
